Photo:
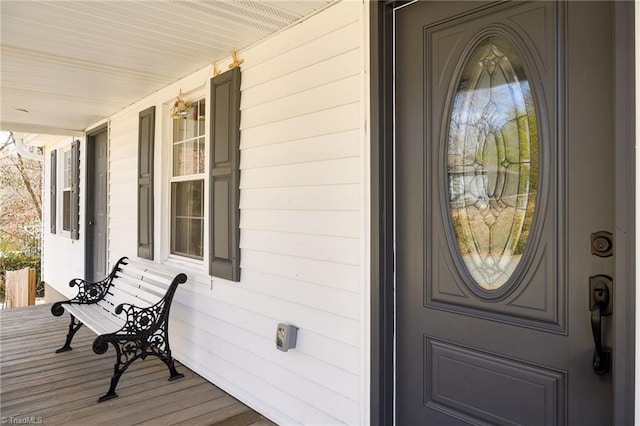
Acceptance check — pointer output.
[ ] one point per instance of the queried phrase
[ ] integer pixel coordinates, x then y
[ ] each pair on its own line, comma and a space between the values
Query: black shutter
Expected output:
225, 176
75, 190
146, 138
53, 196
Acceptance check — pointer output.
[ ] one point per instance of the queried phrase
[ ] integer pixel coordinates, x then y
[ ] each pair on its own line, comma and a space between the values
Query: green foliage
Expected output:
14, 261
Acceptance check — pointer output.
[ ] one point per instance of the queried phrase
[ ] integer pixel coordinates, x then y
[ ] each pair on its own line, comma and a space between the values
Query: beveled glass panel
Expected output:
492, 162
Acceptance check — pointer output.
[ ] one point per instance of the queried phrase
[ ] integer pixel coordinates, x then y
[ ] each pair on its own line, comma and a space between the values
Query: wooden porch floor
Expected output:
62, 389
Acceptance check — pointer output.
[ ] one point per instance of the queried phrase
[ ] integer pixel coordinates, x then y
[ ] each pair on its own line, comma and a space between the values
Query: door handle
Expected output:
600, 289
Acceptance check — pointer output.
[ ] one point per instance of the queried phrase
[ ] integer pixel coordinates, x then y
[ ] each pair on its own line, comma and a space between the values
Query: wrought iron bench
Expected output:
130, 310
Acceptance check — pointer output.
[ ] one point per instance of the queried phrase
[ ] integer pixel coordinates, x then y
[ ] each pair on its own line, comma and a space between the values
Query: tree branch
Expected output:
8, 142
27, 184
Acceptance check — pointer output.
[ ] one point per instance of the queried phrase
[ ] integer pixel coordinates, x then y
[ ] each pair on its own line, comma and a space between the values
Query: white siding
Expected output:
123, 185
302, 219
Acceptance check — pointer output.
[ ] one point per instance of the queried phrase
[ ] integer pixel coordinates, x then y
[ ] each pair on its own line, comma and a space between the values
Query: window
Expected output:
187, 183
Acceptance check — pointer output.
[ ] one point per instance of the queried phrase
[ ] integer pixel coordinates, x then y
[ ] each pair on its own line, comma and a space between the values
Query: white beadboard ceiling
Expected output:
70, 63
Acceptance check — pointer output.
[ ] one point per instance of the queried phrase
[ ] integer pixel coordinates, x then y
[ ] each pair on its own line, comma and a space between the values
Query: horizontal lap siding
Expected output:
326, 122
301, 215
123, 168
63, 261
342, 197
342, 144
301, 221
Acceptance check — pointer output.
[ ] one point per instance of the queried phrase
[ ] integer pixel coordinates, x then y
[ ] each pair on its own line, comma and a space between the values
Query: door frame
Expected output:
382, 374
89, 197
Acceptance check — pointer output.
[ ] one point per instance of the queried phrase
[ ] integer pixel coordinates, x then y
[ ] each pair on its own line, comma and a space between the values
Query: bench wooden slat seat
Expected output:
128, 309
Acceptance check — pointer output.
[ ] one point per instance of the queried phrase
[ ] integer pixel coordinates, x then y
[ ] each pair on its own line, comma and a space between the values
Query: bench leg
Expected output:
172, 369
74, 326
117, 373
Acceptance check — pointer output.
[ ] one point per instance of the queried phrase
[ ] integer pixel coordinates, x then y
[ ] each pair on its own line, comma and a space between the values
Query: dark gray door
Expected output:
96, 226
504, 169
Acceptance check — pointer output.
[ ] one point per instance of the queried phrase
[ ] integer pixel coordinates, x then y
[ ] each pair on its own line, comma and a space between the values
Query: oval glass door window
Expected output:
492, 162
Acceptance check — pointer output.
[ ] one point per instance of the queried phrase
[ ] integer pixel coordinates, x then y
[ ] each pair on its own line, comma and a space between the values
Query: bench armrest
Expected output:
140, 325
147, 320
88, 292
143, 326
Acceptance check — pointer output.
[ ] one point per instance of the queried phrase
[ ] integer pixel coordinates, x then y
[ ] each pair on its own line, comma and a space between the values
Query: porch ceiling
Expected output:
71, 63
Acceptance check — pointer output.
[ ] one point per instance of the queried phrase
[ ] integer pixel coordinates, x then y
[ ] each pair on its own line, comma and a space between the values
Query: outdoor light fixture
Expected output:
180, 108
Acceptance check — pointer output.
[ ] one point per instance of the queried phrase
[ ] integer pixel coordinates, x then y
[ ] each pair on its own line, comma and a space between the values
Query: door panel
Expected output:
504, 164
451, 369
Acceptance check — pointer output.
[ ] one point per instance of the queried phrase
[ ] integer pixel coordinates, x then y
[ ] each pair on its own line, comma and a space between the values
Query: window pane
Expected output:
188, 239
66, 180
201, 155
191, 122
201, 116
189, 198
178, 129
187, 218
493, 162
185, 128
188, 158
66, 210
178, 167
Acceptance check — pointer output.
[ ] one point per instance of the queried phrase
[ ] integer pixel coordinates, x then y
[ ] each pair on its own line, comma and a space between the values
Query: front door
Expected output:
96, 226
504, 175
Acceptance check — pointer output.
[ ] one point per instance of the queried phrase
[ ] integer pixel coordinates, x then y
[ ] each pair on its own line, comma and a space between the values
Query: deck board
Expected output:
62, 389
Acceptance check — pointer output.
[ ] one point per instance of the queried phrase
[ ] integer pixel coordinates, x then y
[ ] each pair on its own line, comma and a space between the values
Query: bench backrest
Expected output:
137, 284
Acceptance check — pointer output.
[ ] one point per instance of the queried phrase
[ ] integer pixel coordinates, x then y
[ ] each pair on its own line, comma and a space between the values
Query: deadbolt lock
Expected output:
602, 244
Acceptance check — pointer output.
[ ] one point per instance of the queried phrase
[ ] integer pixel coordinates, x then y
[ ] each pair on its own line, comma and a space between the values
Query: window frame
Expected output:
170, 181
